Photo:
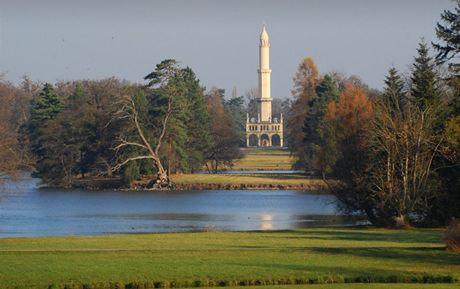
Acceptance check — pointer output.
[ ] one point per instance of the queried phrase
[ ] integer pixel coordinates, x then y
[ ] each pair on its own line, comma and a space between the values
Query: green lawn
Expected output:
265, 159
358, 286
231, 258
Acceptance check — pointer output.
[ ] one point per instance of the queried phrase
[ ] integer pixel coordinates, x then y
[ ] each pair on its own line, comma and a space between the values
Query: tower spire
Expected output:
264, 39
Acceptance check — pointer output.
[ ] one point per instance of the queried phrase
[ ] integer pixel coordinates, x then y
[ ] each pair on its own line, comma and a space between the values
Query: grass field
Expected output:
358, 286
265, 159
255, 159
231, 258
255, 179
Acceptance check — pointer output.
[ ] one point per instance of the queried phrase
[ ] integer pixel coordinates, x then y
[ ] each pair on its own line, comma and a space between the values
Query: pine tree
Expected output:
198, 125
45, 107
424, 78
236, 110
394, 95
449, 33
326, 92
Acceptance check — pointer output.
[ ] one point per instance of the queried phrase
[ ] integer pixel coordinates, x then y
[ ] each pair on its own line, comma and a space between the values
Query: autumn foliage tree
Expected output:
343, 131
13, 114
305, 82
383, 153
225, 143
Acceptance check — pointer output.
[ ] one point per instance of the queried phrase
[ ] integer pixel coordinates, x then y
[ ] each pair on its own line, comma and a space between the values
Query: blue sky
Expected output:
53, 40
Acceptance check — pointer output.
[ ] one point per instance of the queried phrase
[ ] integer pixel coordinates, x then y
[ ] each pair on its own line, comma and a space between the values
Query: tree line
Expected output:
80, 129
394, 155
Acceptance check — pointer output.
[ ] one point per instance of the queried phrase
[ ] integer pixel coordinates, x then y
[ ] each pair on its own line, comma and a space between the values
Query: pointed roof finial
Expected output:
264, 35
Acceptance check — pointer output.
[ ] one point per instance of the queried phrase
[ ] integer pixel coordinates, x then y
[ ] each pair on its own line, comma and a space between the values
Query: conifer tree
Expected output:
424, 89
326, 92
394, 95
449, 34
236, 110
45, 107
198, 126
169, 97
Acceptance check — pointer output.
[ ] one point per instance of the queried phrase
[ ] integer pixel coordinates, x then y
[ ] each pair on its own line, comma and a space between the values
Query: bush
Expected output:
452, 236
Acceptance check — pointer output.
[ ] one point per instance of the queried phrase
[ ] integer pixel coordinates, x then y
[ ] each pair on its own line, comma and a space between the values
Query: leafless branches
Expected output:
129, 111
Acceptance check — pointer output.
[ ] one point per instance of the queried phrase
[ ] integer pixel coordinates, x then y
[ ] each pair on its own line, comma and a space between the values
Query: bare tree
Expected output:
129, 111
252, 104
403, 146
12, 102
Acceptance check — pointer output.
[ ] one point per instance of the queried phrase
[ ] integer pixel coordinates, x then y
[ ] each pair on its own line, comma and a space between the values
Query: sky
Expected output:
50, 40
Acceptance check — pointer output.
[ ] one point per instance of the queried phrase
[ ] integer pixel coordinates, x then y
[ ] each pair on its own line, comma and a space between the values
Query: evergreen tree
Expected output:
198, 125
235, 108
449, 33
169, 96
424, 78
187, 135
326, 91
448, 52
394, 95
45, 107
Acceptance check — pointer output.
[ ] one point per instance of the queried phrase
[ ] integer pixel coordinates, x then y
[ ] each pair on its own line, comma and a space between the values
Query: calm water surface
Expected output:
26, 210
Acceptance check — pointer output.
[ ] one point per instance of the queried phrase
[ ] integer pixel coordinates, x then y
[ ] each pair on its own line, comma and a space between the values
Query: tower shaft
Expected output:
264, 77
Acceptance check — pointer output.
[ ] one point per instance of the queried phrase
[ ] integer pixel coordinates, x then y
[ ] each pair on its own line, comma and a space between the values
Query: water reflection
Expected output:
266, 223
26, 210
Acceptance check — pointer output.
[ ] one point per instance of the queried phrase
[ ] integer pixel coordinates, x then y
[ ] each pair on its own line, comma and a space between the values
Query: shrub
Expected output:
452, 236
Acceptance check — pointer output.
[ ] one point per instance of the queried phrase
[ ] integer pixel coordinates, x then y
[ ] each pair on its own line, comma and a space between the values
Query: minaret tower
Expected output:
264, 77
265, 130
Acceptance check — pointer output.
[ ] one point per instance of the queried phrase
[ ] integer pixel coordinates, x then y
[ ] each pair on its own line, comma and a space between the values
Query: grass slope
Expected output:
319, 254
264, 159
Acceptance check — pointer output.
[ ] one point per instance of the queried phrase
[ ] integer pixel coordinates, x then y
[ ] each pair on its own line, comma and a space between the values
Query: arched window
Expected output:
264, 140
276, 140
253, 140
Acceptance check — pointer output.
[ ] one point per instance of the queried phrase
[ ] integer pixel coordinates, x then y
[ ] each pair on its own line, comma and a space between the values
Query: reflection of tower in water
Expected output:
266, 222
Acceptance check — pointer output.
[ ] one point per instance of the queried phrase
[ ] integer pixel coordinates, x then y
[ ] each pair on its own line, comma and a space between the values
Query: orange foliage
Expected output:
353, 108
305, 82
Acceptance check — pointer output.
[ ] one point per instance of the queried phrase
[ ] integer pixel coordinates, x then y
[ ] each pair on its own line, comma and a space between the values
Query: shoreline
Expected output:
183, 182
243, 186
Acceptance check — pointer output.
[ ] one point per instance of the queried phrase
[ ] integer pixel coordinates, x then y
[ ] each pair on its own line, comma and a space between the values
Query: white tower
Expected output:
264, 77
264, 130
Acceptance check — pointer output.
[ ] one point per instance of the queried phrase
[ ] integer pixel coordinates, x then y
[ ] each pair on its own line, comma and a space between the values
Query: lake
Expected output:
26, 210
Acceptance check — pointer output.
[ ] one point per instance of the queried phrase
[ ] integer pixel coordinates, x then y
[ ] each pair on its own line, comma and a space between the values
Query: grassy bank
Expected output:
246, 181
229, 259
264, 159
